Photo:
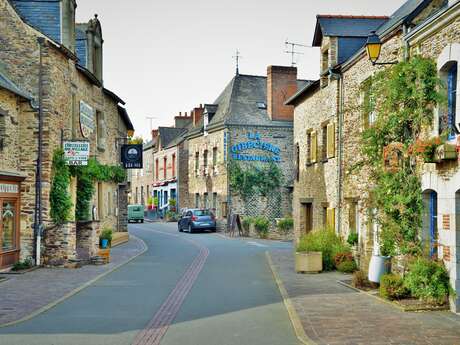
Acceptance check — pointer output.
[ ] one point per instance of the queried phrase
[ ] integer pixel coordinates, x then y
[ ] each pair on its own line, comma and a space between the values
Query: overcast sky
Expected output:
163, 57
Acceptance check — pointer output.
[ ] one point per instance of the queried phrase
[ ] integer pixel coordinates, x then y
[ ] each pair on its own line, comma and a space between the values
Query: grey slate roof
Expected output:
169, 134
400, 15
7, 84
237, 104
345, 26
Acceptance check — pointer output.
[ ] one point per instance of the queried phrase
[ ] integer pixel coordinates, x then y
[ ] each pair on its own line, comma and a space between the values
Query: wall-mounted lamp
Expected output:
373, 49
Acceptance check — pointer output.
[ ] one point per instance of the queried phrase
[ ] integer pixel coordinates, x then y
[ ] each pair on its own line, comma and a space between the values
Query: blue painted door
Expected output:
433, 223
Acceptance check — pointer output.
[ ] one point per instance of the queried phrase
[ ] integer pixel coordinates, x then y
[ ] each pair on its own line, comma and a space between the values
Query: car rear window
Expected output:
200, 213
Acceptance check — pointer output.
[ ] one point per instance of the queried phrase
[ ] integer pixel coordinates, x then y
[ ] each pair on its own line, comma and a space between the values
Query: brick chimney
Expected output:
154, 134
182, 121
197, 114
281, 85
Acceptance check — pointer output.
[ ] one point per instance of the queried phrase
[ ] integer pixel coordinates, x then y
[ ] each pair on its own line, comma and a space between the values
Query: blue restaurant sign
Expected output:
240, 150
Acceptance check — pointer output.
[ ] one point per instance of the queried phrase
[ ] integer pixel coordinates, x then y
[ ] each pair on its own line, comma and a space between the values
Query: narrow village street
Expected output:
234, 298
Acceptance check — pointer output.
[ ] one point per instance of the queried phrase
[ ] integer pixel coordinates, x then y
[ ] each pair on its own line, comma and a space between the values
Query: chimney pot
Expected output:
281, 85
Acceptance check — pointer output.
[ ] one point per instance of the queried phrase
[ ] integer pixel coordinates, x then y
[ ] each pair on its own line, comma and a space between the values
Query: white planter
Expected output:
311, 262
378, 266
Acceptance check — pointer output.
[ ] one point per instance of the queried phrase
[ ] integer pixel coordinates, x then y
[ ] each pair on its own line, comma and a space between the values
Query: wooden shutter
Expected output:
331, 140
331, 218
314, 147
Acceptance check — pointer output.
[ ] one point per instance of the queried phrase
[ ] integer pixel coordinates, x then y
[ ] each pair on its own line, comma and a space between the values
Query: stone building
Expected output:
73, 90
428, 28
142, 179
171, 162
250, 125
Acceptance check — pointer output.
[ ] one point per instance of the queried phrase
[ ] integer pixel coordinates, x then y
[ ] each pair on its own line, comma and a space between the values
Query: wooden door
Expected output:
308, 216
9, 231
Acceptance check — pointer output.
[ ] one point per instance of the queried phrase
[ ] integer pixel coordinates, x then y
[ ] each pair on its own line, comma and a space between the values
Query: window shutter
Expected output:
331, 218
314, 147
331, 140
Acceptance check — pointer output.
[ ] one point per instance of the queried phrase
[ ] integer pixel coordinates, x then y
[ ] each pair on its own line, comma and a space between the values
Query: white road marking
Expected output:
257, 244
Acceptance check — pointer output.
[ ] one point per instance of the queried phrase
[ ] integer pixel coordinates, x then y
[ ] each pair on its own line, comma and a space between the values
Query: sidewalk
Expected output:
334, 314
26, 294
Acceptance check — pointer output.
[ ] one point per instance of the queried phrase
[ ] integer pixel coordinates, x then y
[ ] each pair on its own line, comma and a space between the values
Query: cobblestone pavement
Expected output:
22, 295
333, 314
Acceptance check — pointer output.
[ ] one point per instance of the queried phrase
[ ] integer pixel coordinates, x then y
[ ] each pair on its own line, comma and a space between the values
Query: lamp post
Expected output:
374, 48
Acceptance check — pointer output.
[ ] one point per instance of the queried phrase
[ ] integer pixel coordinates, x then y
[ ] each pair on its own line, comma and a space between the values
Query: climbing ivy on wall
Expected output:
406, 95
254, 179
60, 199
87, 176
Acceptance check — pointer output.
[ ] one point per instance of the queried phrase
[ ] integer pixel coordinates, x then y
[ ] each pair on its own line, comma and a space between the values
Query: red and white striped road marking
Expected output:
158, 326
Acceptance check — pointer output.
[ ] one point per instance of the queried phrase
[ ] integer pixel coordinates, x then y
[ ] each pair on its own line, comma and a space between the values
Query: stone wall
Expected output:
64, 87
60, 243
87, 244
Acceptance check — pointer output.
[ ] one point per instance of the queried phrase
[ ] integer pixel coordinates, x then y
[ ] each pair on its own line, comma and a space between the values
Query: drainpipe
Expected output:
337, 75
406, 43
38, 178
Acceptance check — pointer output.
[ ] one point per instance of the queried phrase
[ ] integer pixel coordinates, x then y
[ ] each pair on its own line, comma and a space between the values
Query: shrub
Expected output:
325, 241
428, 280
285, 225
392, 287
352, 238
23, 265
106, 234
246, 223
359, 279
60, 199
342, 257
347, 266
262, 225
172, 202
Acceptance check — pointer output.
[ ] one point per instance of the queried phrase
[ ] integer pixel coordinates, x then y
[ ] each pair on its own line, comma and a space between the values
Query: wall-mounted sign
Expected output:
76, 152
9, 188
87, 119
131, 156
240, 151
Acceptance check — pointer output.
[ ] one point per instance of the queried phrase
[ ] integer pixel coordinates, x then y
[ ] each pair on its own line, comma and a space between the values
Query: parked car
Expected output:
193, 220
135, 213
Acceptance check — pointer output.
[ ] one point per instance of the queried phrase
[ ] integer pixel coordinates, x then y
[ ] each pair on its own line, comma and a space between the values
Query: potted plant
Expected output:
106, 238
172, 205
150, 203
308, 256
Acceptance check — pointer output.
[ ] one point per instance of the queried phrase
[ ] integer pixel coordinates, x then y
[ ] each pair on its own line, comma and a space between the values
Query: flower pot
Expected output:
104, 243
378, 266
311, 262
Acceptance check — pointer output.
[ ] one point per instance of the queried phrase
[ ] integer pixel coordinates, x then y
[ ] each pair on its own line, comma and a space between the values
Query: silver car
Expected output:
193, 220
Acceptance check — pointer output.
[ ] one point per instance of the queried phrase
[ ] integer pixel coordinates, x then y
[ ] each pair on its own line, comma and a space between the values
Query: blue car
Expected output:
192, 220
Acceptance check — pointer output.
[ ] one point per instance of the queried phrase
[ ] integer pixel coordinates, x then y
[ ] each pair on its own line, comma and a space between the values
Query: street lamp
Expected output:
373, 49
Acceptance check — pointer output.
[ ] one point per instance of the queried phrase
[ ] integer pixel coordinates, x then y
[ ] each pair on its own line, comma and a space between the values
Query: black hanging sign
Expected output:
131, 156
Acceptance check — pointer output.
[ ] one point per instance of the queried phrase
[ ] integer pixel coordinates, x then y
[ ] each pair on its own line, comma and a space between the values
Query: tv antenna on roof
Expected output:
237, 58
151, 118
291, 49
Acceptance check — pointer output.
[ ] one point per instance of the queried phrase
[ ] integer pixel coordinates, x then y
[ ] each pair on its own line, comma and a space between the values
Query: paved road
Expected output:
194, 289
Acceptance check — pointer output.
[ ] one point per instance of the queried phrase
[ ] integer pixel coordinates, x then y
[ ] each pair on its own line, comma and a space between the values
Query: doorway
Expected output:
430, 223
9, 231
306, 219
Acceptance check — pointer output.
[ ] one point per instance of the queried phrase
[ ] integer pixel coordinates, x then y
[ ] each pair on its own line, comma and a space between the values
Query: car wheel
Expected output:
179, 228
190, 229
142, 221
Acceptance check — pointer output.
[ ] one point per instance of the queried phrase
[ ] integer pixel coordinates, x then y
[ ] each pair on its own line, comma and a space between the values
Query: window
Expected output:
136, 196
165, 170
324, 143
156, 170
201, 213
205, 200
451, 100
100, 131
173, 163
214, 157
325, 215
197, 162
330, 141
197, 200
205, 159
109, 203
142, 195
313, 147
165, 197
368, 104
214, 201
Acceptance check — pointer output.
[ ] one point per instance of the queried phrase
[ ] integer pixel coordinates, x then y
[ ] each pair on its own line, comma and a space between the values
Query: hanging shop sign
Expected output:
76, 152
242, 151
87, 119
131, 156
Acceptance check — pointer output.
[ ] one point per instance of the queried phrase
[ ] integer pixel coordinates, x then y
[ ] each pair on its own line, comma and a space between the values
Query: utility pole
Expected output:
38, 225
291, 49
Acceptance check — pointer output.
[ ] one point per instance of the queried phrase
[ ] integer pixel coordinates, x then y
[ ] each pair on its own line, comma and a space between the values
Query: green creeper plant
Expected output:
60, 198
